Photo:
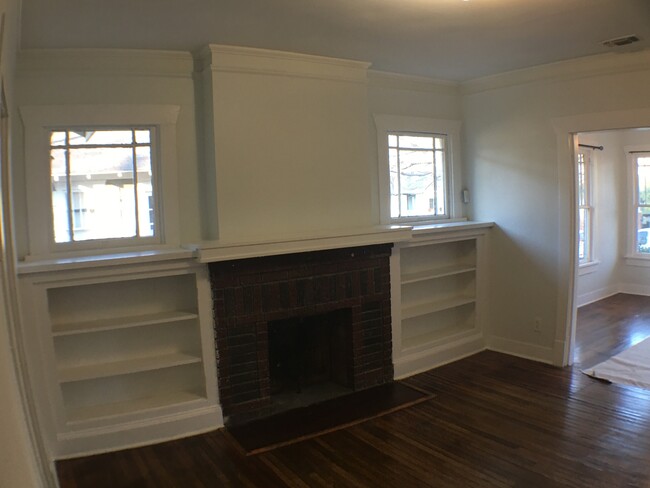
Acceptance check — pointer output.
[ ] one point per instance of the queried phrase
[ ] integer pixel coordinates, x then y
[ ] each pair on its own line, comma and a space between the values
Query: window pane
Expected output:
582, 184
643, 234
105, 178
416, 181
143, 136
392, 140
101, 137
60, 221
416, 142
145, 191
644, 180
582, 234
57, 138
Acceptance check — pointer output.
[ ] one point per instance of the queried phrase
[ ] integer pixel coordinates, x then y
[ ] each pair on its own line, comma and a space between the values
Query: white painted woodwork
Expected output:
438, 293
120, 354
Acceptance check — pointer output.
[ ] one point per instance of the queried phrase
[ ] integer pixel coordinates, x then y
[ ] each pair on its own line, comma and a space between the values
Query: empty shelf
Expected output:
127, 366
59, 330
417, 310
437, 273
94, 412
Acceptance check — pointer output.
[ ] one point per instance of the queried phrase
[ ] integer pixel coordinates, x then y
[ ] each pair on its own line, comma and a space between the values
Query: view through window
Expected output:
417, 174
101, 184
642, 203
585, 208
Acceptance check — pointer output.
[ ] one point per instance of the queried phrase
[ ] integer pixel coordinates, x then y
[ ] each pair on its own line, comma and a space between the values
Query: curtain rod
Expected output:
600, 148
638, 152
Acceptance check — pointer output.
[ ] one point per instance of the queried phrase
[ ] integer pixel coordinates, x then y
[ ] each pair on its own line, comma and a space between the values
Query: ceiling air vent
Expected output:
621, 41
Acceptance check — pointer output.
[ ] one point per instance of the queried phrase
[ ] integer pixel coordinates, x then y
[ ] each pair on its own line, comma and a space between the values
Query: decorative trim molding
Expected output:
634, 289
213, 251
268, 62
397, 81
524, 350
104, 62
598, 65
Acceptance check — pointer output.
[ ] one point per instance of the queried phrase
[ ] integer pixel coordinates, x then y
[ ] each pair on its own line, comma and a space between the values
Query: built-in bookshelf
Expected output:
437, 296
122, 349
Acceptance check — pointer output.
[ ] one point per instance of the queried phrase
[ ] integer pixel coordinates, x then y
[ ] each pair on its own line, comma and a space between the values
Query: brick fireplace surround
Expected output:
249, 293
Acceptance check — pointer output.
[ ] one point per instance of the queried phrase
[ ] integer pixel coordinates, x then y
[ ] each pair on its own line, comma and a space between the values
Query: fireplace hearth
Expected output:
297, 328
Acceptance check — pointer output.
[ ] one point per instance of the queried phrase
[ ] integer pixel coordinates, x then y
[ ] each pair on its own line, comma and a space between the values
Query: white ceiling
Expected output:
446, 39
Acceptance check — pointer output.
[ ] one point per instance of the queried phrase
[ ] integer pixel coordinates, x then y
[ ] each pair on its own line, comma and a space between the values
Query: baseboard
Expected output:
635, 289
521, 349
95, 441
411, 364
594, 296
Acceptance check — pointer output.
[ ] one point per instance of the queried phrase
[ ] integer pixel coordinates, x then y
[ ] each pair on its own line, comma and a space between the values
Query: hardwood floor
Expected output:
496, 421
609, 326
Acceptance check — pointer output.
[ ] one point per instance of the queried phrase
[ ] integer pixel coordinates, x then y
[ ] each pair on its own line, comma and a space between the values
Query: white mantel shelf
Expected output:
213, 251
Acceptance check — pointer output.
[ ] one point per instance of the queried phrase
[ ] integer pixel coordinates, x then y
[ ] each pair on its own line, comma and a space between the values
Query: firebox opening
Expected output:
310, 359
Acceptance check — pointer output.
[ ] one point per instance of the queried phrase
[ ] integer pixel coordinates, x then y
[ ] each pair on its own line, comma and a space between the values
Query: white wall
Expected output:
393, 94
18, 465
517, 180
95, 77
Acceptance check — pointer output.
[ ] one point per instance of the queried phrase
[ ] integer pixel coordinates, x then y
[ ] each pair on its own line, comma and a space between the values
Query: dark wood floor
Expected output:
496, 421
610, 326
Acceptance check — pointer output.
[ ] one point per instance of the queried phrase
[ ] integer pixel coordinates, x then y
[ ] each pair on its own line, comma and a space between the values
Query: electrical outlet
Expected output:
537, 324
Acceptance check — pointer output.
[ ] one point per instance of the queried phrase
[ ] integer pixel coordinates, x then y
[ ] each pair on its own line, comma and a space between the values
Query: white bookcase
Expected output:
437, 296
121, 355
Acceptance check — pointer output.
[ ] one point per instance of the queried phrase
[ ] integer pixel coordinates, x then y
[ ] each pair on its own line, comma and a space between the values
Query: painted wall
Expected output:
18, 465
511, 149
393, 94
60, 77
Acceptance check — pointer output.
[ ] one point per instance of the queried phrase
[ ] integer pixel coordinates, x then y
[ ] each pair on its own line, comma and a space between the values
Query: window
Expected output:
418, 169
585, 208
100, 178
641, 212
417, 174
102, 181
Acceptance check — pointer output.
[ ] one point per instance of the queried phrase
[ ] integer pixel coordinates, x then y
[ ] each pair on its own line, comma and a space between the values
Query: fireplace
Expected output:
289, 328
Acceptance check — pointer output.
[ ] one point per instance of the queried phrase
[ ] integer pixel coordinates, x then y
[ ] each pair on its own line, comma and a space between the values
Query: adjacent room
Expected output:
327, 243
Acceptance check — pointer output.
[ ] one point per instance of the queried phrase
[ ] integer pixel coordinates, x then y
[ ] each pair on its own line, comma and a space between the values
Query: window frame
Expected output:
40, 121
386, 124
632, 154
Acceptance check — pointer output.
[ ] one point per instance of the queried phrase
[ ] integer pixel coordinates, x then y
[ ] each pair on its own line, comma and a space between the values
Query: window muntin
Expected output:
101, 184
418, 175
585, 208
642, 203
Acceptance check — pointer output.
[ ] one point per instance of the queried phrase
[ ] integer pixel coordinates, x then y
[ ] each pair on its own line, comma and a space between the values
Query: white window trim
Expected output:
38, 122
632, 257
397, 123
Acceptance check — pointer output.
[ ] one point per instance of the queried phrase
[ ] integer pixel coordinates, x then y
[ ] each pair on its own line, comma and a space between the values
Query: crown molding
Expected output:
598, 65
268, 62
105, 62
398, 81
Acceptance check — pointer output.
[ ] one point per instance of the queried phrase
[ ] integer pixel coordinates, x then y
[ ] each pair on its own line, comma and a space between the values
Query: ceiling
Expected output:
445, 39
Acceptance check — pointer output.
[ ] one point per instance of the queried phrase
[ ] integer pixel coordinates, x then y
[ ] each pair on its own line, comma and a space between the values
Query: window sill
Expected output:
99, 260
637, 260
588, 268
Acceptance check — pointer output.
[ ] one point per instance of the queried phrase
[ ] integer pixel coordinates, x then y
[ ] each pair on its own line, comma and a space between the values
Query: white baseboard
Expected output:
521, 349
411, 364
635, 289
594, 296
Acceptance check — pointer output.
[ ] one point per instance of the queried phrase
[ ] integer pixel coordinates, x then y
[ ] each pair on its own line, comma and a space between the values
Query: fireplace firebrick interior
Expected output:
339, 297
